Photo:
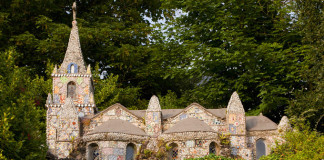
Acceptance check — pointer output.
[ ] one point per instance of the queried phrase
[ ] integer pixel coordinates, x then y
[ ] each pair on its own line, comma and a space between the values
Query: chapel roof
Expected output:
118, 126
190, 125
259, 123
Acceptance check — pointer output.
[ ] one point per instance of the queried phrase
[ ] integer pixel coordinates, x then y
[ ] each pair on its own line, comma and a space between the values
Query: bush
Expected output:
303, 144
212, 157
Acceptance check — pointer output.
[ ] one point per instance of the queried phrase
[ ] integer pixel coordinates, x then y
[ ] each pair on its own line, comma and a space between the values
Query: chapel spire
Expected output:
73, 61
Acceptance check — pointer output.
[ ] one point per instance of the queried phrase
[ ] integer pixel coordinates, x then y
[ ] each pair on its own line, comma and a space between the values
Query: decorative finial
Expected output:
74, 11
88, 69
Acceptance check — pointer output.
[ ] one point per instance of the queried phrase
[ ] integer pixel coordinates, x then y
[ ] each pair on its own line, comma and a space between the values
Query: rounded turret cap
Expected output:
154, 104
284, 124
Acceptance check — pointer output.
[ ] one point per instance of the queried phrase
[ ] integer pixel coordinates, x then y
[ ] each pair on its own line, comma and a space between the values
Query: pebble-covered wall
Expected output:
111, 150
116, 111
197, 111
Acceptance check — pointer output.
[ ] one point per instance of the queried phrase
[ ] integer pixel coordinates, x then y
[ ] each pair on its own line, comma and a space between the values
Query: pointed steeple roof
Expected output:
154, 104
235, 105
73, 53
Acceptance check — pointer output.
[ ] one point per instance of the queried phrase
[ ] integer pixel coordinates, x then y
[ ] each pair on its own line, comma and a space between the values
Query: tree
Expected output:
308, 104
247, 46
22, 127
113, 33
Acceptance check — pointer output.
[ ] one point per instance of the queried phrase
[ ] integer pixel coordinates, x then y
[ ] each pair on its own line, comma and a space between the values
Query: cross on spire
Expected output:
74, 11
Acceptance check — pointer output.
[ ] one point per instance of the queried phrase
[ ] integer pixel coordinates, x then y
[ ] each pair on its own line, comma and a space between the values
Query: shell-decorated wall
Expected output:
112, 150
197, 111
236, 123
115, 112
153, 123
194, 148
84, 93
270, 138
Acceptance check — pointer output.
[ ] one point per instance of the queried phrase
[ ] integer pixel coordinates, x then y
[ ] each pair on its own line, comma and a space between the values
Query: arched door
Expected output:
212, 148
260, 148
130, 151
93, 151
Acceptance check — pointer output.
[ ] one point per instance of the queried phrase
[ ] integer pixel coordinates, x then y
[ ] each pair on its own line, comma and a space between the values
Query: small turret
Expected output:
55, 70
284, 125
88, 69
153, 117
235, 115
49, 99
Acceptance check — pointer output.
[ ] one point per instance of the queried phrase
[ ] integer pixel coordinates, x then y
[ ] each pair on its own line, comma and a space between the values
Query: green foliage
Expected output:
299, 145
108, 92
309, 99
224, 139
22, 110
247, 46
171, 101
212, 157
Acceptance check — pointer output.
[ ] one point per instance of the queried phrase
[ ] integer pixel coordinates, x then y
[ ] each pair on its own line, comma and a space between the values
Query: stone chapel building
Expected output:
119, 133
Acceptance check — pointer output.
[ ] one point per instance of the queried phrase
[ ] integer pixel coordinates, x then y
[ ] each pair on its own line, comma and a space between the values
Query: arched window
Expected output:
71, 89
130, 151
72, 68
260, 148
212, 148
174, 151
93, 151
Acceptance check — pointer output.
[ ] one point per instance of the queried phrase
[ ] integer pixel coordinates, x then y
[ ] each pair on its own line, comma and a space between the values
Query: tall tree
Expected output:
248, 46
309, 105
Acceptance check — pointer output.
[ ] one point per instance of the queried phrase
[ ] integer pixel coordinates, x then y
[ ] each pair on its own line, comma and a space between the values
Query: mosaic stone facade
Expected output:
72, 118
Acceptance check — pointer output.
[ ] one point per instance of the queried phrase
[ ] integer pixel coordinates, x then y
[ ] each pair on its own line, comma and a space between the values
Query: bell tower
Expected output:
73, 97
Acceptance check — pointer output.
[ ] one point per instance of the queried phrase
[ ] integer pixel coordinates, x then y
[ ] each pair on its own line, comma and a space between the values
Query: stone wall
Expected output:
197, 111
269, 137
112, 150
84, 93
114, 112
193, 148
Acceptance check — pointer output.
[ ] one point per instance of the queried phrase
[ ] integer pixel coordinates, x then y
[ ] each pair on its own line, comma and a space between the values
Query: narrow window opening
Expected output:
71, 90
72, 68
174, 151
